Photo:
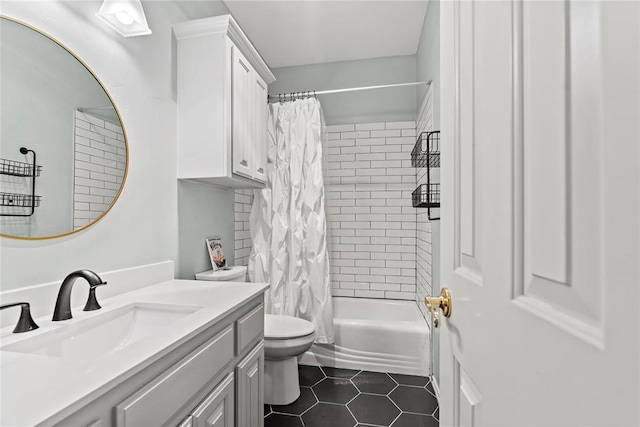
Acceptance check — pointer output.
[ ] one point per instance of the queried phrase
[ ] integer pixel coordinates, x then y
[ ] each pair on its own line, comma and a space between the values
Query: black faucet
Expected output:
63, 303
25, 322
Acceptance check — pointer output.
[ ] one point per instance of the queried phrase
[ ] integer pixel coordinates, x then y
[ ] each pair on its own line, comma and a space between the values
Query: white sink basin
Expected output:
101, 335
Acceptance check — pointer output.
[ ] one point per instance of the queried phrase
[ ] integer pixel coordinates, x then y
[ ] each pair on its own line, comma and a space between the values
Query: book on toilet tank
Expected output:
216, 254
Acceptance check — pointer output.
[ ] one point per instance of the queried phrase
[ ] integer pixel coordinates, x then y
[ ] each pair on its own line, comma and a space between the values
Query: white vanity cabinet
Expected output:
215, 379
222, 104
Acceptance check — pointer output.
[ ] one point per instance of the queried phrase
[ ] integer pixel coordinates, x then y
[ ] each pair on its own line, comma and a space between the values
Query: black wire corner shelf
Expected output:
426, 196
13, 168
20, 201
426, 152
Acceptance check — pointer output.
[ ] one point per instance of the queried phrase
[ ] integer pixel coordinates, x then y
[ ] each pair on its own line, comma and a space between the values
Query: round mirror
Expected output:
63, 149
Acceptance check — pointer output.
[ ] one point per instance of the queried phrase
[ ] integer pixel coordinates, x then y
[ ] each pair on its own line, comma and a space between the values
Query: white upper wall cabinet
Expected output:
222, 104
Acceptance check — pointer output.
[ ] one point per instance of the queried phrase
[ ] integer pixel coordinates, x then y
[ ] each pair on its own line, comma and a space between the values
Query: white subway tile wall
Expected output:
424, 249
371, 223
99, 166
242, 209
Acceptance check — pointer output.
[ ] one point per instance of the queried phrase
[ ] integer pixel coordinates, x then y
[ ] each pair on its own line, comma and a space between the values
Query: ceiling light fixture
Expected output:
124, 16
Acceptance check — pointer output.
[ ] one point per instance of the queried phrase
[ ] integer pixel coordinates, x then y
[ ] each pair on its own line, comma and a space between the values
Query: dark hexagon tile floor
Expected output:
328, 414
339, 373
414, 399
347, 398
374, 382
306, 400
309, 375
373, 409
335, 390
281, 420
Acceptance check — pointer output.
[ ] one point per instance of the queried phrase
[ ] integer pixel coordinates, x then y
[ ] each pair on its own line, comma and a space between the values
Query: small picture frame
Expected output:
216, 254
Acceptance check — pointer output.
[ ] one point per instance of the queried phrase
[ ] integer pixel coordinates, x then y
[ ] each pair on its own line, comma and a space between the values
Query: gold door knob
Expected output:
442, 302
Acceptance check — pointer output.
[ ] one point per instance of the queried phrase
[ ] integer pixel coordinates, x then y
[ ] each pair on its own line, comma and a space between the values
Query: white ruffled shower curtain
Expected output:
288, 222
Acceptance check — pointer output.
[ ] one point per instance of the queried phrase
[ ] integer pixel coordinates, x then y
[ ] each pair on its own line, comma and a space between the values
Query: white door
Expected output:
540, 213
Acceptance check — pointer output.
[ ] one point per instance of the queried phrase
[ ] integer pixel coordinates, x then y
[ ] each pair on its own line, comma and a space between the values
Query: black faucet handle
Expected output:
25, 322
92, 302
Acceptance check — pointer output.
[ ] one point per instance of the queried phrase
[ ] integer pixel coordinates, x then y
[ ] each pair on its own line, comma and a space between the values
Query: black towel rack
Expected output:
24, 170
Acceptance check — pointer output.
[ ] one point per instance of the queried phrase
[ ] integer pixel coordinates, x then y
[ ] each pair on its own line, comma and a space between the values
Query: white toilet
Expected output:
285, 338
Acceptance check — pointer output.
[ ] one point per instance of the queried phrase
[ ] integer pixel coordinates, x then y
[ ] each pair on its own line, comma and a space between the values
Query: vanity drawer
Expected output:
155, 403
250, 326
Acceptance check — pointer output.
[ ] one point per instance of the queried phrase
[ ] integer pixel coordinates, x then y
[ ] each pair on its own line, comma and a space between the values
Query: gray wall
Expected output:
139, 73
355, 107
203, 211
428, 58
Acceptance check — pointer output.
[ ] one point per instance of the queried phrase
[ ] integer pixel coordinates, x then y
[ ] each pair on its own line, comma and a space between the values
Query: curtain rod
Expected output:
307, 94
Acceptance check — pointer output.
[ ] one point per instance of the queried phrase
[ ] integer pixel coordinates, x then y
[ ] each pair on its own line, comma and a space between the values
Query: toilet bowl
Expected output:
285, 338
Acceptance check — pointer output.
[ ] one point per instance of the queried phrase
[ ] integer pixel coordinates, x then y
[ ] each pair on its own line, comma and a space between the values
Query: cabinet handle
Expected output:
260, 170
244, 163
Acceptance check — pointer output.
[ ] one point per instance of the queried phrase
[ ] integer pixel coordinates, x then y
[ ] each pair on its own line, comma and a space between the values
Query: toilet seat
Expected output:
277, 327
237, 272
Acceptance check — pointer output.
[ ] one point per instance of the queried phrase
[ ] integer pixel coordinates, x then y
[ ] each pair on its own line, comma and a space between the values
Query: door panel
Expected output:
468, 207
540, 212
250, 390
217, 408
259, 142
468, 399
242, 113
562, 144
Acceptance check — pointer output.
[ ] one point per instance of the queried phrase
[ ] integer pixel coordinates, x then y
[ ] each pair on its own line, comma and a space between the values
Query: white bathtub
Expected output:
375, 335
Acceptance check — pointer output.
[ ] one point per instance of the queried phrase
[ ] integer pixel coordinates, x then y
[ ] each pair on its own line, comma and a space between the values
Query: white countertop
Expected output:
42, 390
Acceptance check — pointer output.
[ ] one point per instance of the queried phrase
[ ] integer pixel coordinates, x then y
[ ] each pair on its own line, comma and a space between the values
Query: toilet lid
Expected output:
283, 327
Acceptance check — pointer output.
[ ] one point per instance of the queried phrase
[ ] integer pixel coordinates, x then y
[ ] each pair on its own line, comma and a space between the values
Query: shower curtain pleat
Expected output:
288, 222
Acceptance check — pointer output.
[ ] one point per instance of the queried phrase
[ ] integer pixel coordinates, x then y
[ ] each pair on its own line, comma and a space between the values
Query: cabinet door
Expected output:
241, 113
217, 409
250, 390
259, 142
156, 403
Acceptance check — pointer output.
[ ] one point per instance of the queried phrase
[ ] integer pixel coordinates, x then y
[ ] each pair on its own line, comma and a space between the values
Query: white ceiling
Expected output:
299, 32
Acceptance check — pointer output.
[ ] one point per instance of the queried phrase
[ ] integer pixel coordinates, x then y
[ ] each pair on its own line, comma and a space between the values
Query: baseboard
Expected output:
436, 387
